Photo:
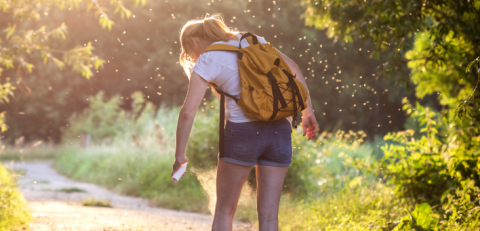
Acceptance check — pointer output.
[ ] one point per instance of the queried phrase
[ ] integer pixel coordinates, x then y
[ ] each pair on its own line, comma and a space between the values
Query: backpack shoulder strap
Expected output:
224, 47
221, 47
219, 91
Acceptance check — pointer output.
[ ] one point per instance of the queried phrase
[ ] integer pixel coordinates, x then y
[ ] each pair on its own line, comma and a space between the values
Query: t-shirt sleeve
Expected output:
207, 68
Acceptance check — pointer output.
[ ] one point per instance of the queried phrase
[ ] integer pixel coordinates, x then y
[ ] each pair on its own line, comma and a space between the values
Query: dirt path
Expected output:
56, 210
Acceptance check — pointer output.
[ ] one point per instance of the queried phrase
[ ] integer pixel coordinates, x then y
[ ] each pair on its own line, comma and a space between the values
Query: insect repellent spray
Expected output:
179, 172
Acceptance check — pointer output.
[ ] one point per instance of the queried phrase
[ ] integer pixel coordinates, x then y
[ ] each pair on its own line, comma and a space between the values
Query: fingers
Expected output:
176, 166
304, 128
310, 134
306, 125
314, 130
311, 129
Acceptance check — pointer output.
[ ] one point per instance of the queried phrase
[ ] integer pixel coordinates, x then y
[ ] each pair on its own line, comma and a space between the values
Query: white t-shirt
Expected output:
221, 68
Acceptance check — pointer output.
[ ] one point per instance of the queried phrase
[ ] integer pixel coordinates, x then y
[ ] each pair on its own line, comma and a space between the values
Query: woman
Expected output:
270, 154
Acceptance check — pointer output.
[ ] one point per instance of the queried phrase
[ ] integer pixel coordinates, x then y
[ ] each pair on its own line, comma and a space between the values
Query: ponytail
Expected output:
211, 28
215, 30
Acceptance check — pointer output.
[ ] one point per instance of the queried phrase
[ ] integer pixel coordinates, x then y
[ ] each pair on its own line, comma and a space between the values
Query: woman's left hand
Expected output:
178, 162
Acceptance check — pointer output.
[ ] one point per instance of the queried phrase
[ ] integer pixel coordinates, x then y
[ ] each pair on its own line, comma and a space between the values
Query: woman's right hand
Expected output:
178, 162
309, 124
196, 91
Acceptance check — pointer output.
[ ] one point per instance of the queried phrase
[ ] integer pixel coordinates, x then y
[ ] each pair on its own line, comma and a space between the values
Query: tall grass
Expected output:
323, 188
14, 213
364, 207
37, 150
136, 161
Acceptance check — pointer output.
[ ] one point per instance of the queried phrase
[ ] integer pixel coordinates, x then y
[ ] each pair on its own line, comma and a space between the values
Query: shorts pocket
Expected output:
244, 142
284, 142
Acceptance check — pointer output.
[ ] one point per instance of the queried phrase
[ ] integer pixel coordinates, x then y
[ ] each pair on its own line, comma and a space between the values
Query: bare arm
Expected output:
195, 94
298, 74
309, 122
215, 93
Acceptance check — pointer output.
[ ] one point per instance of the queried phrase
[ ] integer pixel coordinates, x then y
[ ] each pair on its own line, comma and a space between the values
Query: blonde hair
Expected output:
211, 28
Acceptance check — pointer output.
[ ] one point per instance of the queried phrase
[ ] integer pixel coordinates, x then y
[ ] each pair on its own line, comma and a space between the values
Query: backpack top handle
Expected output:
244, 36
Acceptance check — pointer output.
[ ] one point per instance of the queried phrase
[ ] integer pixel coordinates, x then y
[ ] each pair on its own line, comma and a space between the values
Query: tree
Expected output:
26, 41
447, 35
439, 41
141, 54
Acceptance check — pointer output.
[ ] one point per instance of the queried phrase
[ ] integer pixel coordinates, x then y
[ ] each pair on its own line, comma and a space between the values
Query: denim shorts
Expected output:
259, 142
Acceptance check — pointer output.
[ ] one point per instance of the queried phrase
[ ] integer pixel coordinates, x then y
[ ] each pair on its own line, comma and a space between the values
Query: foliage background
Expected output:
406, 71
141, 54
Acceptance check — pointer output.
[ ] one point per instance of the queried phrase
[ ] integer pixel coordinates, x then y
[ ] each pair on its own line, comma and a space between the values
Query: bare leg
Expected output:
230, 180
269, 188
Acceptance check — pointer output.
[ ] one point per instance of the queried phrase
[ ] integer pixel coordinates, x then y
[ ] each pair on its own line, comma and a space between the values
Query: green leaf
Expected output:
469, 66
10, 30
4, 127
29, 67
99, 63
468, 114
422, 215
445, 194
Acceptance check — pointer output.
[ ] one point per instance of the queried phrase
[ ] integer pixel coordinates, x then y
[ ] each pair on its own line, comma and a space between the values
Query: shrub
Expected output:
325, 170
326, 164
13, 207
462, 208
364, 207
102, 119
202, 148
436, 161
96, 203
133, 171
438, 166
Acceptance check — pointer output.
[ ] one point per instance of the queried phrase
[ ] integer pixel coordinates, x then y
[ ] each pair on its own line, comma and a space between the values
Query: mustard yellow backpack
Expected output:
269, 90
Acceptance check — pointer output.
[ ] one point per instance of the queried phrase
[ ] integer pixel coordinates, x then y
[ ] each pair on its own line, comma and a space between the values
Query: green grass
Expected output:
136, 172
145, 172
139, 166
358, 208
28, 153
70, 190
135, 162
351, 201
18, 172
96, 203
13, 207
327, 187
42, 182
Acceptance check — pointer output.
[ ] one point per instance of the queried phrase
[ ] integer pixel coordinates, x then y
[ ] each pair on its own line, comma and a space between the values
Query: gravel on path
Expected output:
54, 209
